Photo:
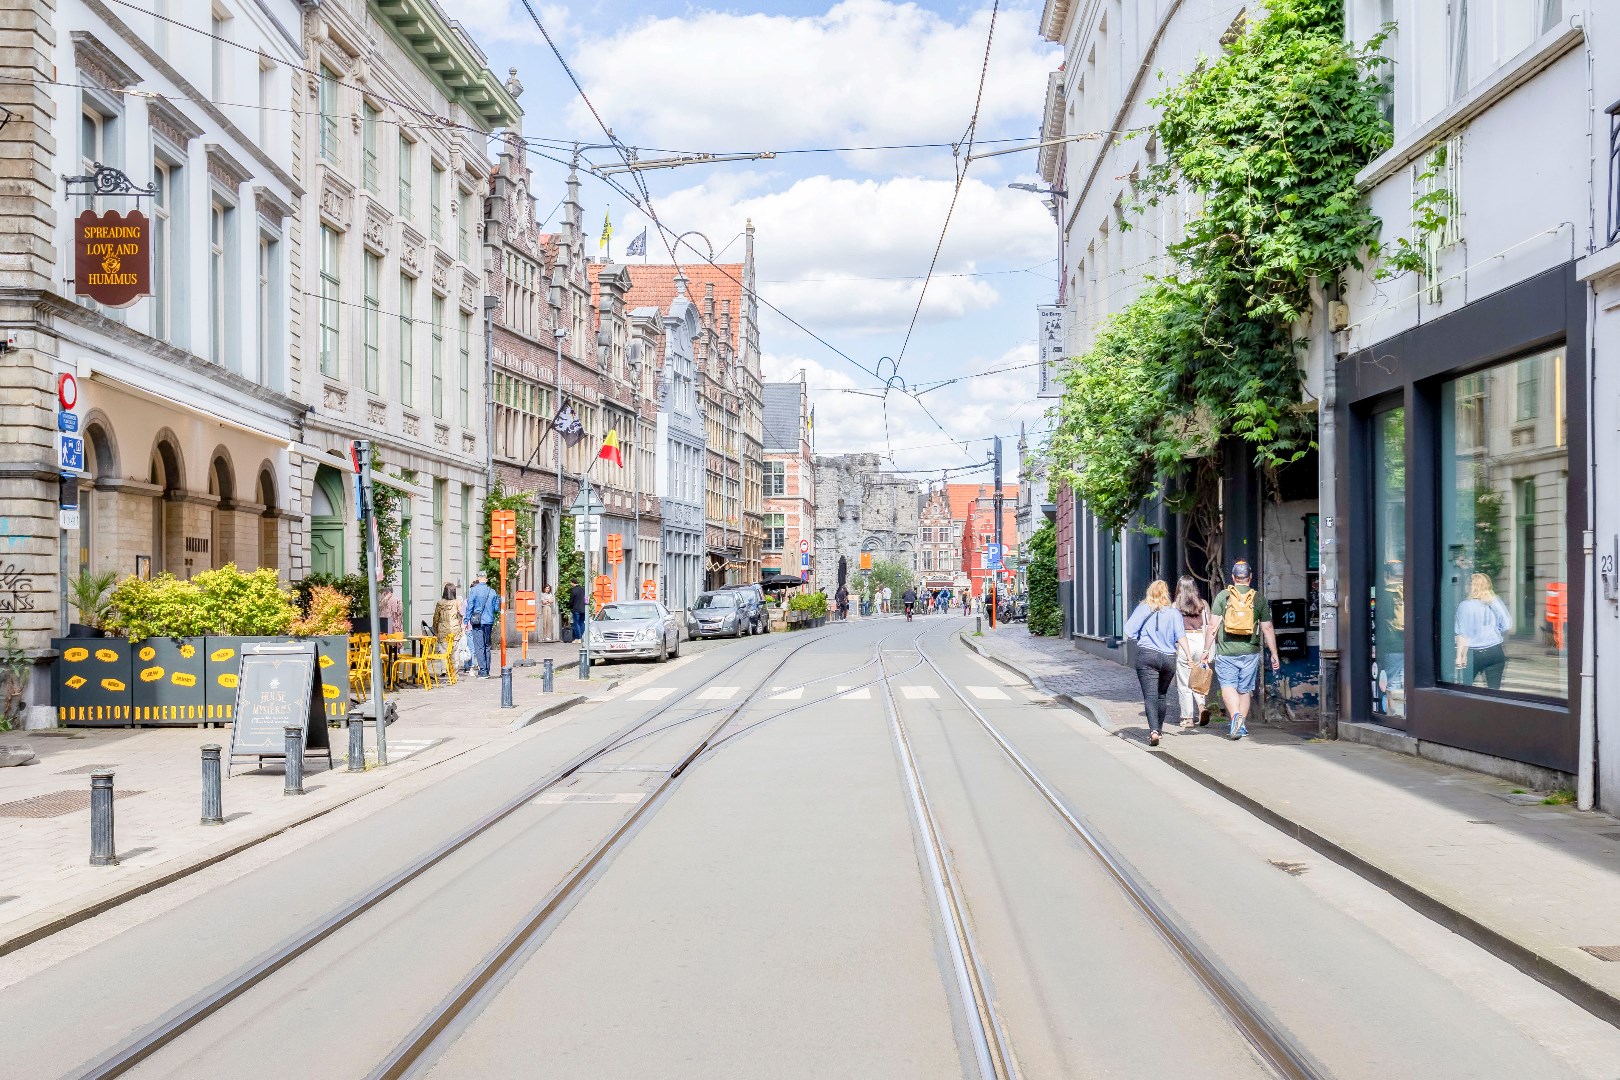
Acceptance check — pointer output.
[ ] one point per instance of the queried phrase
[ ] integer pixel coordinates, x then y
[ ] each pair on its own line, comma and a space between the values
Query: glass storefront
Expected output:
1388, 590
1503, 489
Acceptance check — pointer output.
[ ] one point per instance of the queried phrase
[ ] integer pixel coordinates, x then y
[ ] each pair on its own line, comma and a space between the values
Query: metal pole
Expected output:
546, 677
292, 745
103, 851
1327, 574
357, 744
585, 637
373, 564
213, 810
489, 392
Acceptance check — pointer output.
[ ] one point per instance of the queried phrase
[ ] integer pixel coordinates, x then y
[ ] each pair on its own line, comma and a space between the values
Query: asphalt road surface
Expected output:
858, 851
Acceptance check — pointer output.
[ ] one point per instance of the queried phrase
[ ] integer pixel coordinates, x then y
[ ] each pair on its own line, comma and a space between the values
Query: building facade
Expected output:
187, 399
939, 544
975, 508
390, 256
681, 472
860, 509
789, 481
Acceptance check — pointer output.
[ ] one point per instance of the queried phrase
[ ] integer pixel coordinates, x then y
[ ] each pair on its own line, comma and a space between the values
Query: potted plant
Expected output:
91, 594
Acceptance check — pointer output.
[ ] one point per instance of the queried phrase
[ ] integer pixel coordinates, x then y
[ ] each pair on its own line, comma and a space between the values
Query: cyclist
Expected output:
909, 599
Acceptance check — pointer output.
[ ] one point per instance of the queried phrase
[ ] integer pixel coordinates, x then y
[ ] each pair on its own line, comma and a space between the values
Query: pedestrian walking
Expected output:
483, 608
1156, 628
842, 598
1481, 625
1242, 624
576, 608
548, 614
967, 603
446, 613
1192, 655
390, 611
886, 603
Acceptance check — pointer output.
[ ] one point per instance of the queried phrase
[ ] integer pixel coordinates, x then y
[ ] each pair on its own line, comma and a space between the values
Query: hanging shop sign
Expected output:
112, 257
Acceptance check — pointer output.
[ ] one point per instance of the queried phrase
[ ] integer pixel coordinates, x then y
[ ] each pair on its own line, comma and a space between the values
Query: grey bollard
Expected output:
357, 744
978, 624
546, 684
294, 747
584, 664
213, 804
103, 851
506, 687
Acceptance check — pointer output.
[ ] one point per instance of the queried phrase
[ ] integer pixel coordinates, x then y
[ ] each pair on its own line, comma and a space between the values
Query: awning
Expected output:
174, 403
340, 461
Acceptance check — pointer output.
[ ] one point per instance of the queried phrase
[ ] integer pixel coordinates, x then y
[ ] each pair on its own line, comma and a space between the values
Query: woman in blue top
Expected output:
1156, 628
1482, 623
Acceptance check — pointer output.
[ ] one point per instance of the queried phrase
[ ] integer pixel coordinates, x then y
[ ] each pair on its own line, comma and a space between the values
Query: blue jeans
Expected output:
480, 646
579, 625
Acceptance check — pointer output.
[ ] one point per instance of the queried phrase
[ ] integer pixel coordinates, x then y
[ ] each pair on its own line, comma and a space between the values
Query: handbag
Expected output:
463, 654
1201, 676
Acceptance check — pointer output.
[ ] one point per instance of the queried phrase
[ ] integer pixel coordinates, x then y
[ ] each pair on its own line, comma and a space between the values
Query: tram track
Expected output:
173, 1025
1274, 1045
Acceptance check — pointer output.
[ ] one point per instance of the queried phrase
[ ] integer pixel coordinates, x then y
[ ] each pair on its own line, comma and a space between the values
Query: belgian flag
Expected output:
610, 449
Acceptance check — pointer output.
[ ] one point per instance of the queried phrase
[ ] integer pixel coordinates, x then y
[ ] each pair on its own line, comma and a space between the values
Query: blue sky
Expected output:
842, 239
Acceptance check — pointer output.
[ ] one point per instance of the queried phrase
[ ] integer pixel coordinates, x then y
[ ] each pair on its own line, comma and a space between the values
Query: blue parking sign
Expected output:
994, 556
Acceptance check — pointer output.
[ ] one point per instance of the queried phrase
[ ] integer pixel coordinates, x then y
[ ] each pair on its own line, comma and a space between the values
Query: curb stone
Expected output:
1540, 966
88, 905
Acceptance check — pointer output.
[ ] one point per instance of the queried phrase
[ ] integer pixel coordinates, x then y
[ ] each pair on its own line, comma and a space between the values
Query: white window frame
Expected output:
331, 311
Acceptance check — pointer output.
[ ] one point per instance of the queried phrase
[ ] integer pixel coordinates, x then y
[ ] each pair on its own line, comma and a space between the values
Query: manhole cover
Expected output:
54, 803
1604, 952
86, 770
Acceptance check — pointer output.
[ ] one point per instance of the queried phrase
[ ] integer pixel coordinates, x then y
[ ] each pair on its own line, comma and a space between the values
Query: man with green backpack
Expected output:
1242, 618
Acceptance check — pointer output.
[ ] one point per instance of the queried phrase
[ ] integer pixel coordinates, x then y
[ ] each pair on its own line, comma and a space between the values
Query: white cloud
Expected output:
850, 254
866, 72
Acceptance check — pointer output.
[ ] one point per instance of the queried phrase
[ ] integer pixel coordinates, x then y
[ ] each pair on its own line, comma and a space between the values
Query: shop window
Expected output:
1389, 569
1504, 602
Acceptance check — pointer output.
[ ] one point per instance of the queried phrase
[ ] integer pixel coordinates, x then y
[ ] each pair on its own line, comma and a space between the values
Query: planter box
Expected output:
107, 682
91, 682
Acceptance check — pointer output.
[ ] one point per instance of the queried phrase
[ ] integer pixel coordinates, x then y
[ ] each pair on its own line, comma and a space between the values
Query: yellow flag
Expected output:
607, 230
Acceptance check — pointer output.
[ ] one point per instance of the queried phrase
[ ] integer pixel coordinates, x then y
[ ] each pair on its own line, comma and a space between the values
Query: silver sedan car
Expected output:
639, 629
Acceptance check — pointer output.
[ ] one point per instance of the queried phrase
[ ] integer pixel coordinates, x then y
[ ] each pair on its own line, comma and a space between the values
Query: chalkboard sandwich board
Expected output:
278, 686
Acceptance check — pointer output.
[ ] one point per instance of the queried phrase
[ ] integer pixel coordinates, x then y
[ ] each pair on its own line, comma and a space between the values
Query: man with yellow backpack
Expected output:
1242, 619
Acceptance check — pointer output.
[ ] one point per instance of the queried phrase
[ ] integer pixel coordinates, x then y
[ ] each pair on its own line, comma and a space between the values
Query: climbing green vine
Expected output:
385, 506
1268, 138
1432, 210
523, 503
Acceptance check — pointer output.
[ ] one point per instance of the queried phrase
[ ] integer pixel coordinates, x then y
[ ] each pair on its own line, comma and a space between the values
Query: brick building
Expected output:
790, 479
973, 505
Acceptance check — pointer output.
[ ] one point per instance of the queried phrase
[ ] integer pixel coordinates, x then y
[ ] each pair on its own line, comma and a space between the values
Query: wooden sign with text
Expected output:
112, 257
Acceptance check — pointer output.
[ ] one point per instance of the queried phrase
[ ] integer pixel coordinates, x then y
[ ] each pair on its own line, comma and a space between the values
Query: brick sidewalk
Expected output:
1537, 884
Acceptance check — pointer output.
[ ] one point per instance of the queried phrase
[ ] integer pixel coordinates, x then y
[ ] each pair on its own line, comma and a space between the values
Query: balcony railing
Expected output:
1614, 171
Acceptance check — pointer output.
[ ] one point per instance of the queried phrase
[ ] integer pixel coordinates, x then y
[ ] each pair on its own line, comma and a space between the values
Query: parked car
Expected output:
722, 613
642, 629
759, 618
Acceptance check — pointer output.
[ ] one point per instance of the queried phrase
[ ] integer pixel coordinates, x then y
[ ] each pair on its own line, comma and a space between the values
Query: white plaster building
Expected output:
390, 259
682, 477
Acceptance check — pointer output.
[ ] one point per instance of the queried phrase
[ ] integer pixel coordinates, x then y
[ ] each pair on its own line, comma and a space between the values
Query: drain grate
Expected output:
54, 803
86, 770
1604, 952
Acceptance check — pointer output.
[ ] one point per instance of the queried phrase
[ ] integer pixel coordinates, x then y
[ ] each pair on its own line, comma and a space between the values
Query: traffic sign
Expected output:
994, 559
67, 391
587, 505
804, 547
72, 452
586, 532
67, 421
804, 561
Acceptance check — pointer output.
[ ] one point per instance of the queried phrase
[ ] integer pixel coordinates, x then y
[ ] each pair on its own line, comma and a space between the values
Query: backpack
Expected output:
1238, 619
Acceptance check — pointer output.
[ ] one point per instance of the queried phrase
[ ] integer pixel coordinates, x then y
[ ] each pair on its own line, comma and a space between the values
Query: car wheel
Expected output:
663, 651
676, 651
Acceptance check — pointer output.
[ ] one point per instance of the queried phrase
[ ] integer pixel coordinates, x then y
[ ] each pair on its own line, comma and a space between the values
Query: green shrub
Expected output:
163, 606
244, 605
1045, 616
351, 586
815, 603
88, 592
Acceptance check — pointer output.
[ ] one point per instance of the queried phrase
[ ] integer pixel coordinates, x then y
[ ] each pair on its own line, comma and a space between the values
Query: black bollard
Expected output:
103, 851
357, 743
506, 687
213, 804
546, 677
294, 747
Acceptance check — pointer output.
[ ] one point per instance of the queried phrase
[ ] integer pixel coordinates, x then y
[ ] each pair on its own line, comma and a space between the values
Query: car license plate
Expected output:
618, 646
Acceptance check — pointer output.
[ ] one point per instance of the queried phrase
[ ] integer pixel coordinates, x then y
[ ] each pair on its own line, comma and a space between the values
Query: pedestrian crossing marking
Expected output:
787, 693
917, 693
855, 693
556, 798
989, 693
717, 693
653, 693
399, 749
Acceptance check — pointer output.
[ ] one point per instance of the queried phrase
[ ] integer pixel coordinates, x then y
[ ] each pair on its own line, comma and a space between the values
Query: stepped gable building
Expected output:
790, 480
726, 356
860, 508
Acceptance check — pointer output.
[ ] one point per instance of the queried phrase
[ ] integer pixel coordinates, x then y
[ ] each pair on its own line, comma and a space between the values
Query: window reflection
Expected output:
1504, 613
1389, 569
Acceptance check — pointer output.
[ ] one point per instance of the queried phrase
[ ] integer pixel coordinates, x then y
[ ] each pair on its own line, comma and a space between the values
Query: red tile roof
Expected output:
653, 285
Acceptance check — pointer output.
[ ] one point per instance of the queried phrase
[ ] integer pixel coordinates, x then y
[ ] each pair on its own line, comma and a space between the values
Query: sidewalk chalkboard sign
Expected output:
278, 686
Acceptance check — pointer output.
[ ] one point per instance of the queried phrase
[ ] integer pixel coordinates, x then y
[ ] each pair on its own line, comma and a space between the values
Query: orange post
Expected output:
503, 546
523, 611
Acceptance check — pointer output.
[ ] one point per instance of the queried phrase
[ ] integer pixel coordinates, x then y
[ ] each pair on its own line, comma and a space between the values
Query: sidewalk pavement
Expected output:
1536, 884
46, 882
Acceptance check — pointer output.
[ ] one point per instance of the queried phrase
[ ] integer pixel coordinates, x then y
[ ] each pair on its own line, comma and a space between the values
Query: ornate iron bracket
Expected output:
106, 180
